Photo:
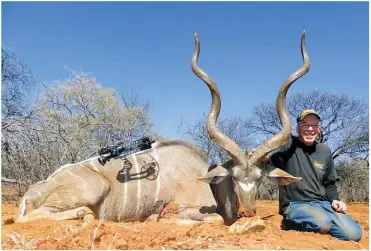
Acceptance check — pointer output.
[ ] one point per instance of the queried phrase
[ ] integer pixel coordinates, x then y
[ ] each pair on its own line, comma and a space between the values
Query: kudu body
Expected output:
91, 190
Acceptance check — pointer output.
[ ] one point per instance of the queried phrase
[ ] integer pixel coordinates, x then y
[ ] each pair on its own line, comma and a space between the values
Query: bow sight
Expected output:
122, 149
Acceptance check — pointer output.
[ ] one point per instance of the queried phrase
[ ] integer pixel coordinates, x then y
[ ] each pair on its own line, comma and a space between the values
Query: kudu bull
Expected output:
91, 190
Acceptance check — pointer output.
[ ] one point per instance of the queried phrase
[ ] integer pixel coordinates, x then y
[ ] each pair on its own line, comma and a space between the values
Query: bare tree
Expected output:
132, 102
268, 190
72, 120
16, 80
349, 172
344, 120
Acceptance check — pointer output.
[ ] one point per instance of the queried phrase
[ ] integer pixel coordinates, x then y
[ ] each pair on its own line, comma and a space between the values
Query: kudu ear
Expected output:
215, 176
282, 178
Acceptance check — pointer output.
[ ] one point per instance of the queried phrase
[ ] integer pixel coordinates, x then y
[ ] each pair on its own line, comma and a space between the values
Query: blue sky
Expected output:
248, 48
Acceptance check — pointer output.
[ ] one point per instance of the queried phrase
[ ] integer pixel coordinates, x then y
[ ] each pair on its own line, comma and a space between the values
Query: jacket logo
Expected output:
317, 164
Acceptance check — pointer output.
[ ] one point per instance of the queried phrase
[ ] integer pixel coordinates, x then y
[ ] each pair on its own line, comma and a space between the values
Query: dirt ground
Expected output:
104, 235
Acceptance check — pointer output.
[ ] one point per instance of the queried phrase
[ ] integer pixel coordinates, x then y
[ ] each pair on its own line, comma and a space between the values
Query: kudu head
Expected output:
244, 167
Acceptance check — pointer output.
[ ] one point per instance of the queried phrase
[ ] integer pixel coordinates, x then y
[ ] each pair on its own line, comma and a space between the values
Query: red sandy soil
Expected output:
104, 235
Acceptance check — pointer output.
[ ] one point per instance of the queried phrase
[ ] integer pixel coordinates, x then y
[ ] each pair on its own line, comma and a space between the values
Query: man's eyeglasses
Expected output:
306, 126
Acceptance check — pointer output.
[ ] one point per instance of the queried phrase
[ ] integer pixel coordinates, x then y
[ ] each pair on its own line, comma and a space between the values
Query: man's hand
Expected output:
339, 206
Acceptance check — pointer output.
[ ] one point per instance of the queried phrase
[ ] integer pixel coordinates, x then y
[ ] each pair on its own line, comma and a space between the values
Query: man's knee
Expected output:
353, 233
346, 228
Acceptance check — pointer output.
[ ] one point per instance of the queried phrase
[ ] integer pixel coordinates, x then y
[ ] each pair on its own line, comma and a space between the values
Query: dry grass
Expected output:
95, 232
21, 243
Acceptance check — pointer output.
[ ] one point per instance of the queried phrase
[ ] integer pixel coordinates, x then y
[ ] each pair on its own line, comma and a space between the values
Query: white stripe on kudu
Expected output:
126, 177
158, 181
139, 186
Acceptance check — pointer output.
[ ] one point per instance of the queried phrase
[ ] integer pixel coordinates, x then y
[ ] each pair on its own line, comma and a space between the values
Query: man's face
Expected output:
308, 129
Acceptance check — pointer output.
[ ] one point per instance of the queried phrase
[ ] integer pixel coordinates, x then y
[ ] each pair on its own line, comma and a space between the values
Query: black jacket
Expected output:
314, 164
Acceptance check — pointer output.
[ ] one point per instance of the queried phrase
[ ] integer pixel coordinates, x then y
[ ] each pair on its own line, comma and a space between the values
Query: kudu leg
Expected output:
186, 220
187, 215
214, 219
45, 213
196, 214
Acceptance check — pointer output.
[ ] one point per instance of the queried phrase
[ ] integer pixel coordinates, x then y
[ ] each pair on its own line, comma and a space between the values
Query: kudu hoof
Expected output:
88, 218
